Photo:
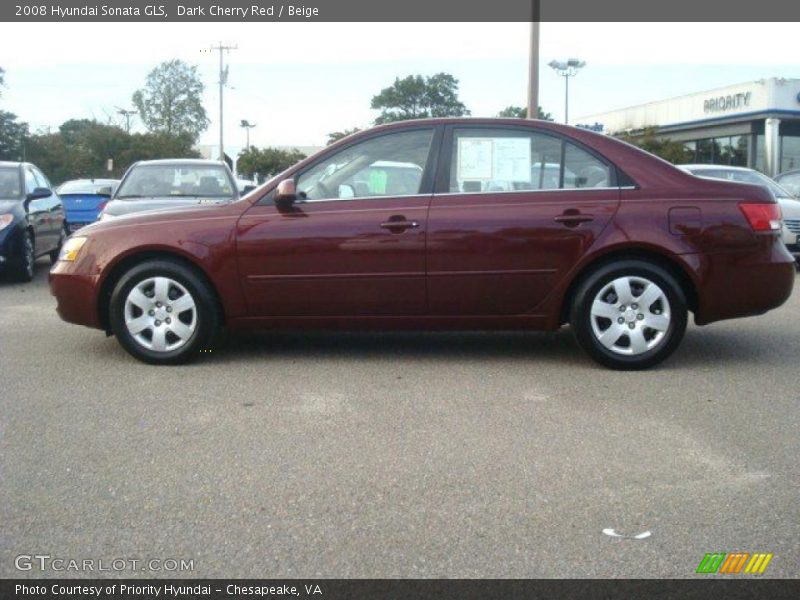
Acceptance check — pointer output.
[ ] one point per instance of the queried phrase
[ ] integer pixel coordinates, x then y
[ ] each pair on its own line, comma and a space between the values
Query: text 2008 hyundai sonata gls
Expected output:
445, 224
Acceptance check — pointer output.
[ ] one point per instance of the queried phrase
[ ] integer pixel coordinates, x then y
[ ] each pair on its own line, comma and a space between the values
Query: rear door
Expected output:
515, 208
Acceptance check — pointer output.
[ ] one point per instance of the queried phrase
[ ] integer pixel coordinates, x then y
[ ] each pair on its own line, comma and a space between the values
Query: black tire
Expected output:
24, 269
207, 317
55, 253
584, 324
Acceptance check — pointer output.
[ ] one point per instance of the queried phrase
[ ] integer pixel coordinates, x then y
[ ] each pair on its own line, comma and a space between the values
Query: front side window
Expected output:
30, 182
502, 160
385, 166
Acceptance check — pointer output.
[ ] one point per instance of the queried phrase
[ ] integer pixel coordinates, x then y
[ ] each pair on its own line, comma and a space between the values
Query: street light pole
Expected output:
533, 64
567, 69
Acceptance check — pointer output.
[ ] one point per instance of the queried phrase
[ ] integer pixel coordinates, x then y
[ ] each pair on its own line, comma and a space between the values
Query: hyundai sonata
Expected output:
441, 224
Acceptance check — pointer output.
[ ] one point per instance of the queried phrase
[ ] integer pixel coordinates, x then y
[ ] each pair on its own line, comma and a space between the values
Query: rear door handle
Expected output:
399, 225
573, 219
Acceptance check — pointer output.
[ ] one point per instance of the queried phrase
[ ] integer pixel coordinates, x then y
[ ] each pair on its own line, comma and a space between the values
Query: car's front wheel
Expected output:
23, 270
162, 312
629, 314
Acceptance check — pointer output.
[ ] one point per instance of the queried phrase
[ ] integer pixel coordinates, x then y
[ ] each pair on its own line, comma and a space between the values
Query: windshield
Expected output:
744, 177
86, 186
9, 183
178, 181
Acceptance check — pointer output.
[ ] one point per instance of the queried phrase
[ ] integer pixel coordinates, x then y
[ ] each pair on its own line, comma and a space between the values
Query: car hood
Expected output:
7, 205
790, 207
117, 208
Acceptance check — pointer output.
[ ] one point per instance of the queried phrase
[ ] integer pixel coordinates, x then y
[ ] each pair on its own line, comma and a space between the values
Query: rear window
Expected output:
85, 187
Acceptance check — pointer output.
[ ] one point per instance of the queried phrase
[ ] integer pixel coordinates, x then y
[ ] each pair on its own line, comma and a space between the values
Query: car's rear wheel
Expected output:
25, 266
630, 314
162, 312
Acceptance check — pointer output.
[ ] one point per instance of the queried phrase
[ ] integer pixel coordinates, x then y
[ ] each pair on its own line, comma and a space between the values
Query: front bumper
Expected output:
76, 295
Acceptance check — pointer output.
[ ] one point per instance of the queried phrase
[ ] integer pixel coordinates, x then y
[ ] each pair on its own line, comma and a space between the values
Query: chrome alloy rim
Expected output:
630, 315
160, 314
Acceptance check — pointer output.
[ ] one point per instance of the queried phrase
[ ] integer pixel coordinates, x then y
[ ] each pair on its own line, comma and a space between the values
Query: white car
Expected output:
790, 206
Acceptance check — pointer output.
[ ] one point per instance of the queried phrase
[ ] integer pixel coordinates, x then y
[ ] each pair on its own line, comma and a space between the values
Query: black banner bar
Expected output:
399, 10
404, 589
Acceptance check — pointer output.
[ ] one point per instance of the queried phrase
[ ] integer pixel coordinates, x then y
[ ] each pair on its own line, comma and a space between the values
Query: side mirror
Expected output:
104, 191
286, 192
38, 193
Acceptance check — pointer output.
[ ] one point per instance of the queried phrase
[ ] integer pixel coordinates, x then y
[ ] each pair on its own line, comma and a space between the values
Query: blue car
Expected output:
84, 199
31, 219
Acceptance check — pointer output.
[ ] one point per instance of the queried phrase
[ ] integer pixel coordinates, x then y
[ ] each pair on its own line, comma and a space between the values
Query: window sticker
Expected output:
475, 159
499, 159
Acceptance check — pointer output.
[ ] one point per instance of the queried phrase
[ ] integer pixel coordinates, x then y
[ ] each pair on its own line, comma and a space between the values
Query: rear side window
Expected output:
507, 160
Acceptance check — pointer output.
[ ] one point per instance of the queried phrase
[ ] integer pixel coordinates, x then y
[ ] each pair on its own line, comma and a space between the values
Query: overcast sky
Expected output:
299, 81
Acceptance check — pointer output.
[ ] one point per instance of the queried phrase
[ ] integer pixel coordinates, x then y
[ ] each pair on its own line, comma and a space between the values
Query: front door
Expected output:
353, 244
514, 211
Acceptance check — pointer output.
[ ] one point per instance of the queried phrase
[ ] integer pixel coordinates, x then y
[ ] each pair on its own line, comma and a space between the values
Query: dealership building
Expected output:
754, 124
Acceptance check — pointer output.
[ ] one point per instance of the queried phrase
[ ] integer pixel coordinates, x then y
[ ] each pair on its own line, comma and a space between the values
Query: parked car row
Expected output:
433, 224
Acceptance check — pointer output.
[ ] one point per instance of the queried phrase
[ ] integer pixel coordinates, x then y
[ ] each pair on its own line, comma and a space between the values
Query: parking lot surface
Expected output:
397, 455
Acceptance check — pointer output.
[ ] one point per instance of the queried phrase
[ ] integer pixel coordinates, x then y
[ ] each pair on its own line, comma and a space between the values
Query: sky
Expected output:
299, 81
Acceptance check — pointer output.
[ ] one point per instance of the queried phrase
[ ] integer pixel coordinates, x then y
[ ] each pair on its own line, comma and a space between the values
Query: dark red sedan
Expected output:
441, 224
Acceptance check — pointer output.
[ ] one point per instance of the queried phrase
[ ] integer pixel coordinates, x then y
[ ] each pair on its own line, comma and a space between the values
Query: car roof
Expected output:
182, 161
90, 180
10, 163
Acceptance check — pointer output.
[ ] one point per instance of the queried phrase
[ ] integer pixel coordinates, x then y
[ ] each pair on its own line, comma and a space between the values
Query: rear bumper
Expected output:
76, 296
742, 284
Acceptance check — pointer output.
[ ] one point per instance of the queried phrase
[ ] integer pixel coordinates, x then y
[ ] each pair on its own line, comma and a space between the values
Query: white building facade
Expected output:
754, 124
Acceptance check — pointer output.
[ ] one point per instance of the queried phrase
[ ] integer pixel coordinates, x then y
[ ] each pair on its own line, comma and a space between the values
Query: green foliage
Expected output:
669, 150
521, 112
12, 136
266, 162
338, 135
171, 101
418, 97
82, 147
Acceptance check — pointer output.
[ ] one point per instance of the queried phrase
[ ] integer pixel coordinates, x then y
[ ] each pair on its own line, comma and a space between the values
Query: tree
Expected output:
338, 135
521, 112
254, 162
2, 79
12, 136
171, 101
418, 97
669, 150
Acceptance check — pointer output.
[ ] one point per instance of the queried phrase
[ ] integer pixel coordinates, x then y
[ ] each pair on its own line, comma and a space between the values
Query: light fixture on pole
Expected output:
247, 126
567, 69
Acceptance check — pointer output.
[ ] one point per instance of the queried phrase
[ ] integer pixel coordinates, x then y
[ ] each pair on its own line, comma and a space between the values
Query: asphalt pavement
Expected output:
501, 455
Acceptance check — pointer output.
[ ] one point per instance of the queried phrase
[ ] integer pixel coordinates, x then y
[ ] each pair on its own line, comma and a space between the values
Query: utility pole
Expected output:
223, 79
533, 64
127, 114
247, 126
567, 69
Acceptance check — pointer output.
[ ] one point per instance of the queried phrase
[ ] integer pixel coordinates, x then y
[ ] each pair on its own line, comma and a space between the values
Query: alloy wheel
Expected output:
160, 314
630, 315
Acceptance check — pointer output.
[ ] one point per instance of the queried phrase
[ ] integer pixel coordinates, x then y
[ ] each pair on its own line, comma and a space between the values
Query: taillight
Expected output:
762, 217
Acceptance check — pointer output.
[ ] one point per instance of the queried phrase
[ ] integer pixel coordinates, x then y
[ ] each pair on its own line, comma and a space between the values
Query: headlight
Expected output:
5, 221
70, 249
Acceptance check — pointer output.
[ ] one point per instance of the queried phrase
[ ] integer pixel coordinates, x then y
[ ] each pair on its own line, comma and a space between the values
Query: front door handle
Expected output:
398, 224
